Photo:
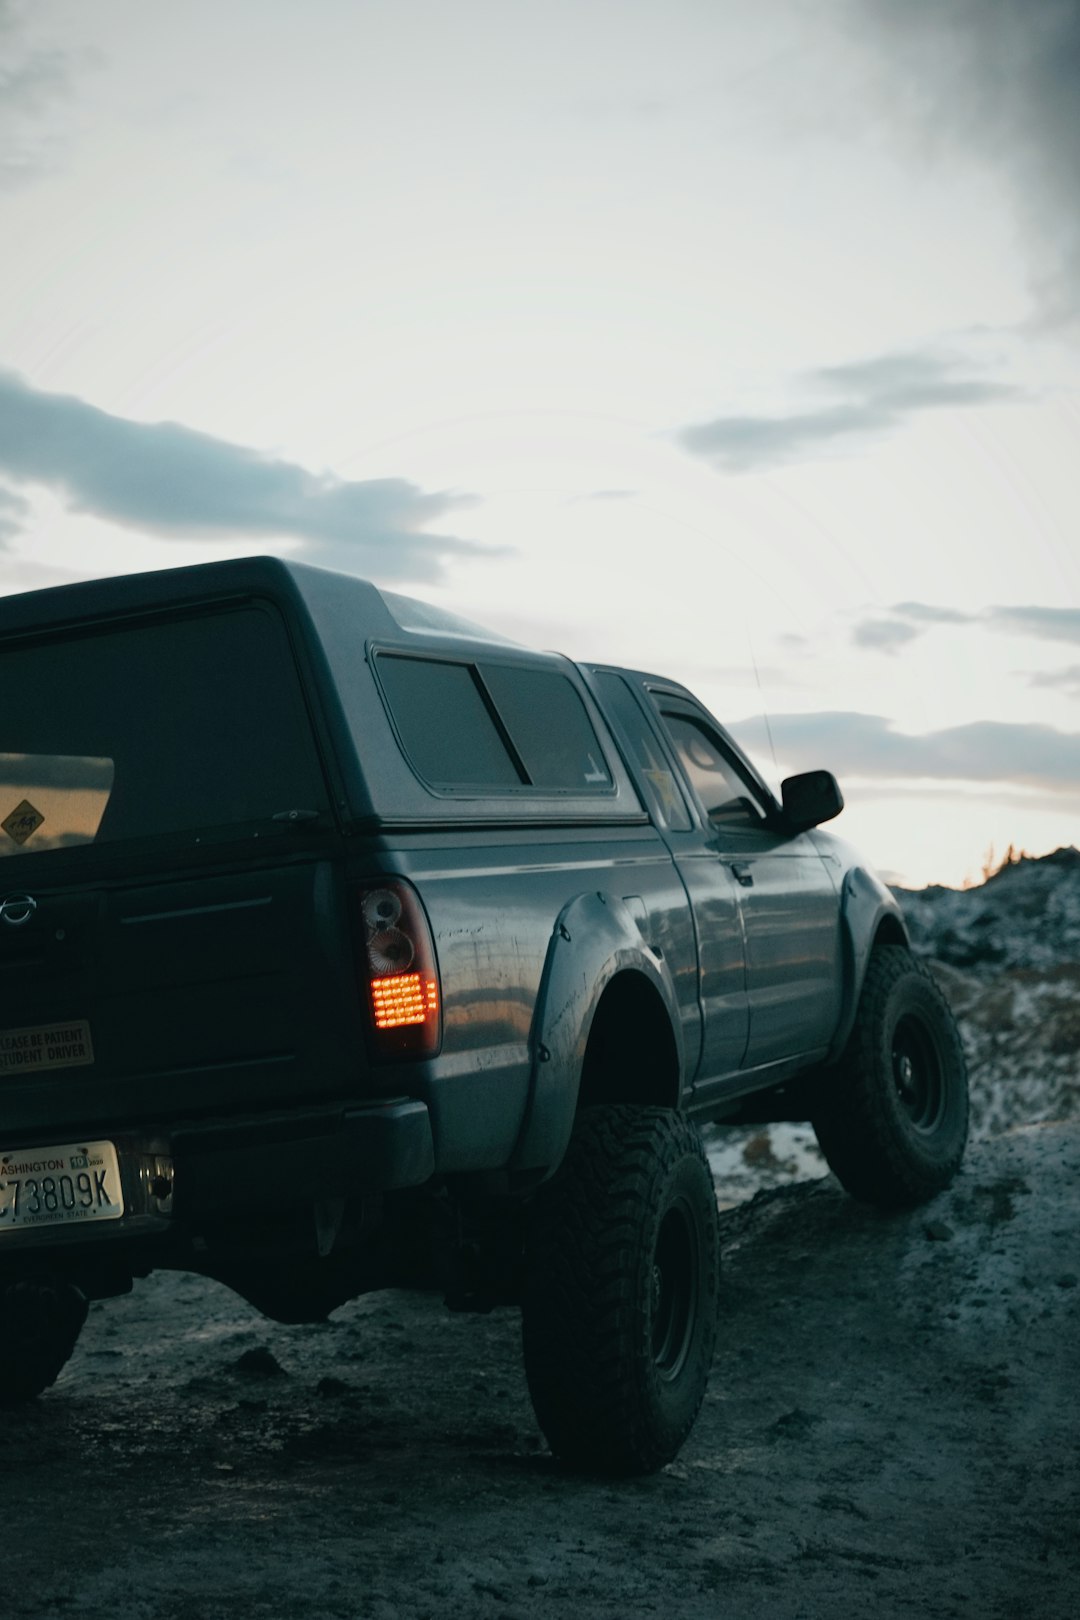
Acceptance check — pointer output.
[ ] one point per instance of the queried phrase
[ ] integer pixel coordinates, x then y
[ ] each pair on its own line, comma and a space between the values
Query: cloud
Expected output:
911, 619
884, 635
1000, 78
868, 745
928, 613
14, 509
877, 395
1049, 624
1060, 680
907, 382
168, 480
34, 83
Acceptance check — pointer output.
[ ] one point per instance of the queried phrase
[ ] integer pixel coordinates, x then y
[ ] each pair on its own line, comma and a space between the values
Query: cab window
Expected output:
729, 800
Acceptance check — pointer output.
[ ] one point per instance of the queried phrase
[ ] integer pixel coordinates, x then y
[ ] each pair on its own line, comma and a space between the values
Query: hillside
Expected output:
1026, 915
1008, 956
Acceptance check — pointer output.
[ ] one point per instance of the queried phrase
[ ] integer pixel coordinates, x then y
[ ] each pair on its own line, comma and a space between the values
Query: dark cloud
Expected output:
877, 396
868, 745
168, 480
1000, 78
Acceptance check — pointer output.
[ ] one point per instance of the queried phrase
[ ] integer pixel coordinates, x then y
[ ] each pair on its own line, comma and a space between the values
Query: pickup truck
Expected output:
346, 946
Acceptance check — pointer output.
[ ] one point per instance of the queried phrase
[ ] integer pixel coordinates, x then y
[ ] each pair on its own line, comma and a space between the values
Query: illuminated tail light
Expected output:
400, 979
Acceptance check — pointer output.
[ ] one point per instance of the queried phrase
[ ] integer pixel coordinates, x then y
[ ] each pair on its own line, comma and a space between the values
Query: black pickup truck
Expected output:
345, 946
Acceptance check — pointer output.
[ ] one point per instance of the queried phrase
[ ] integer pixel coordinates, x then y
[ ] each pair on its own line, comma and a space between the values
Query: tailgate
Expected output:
172, 931
156, 1000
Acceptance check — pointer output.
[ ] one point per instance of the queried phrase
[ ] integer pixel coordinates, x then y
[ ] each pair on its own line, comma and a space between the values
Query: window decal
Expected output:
59, 799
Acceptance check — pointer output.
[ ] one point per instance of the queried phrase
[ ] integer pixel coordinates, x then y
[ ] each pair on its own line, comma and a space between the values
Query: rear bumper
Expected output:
291, 1158
185, 1178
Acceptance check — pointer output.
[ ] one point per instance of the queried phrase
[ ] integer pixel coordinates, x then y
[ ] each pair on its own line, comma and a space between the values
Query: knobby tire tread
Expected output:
587, 1345
858, 1123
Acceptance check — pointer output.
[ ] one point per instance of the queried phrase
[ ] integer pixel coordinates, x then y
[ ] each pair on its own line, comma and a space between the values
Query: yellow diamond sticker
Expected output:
23, 821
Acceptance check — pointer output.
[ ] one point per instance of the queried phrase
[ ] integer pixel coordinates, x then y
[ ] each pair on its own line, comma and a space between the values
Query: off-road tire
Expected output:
41, 1322
620, 1298
892, 1117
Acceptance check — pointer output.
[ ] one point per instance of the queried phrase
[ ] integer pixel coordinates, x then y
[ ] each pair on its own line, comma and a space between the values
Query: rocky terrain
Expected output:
892, 1423
1008, 955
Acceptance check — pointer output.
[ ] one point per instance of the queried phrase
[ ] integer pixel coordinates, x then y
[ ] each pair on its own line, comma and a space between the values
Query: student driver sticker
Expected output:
45, 1046
23, 822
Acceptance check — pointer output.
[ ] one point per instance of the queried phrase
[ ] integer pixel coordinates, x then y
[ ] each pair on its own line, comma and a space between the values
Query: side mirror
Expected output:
810, 798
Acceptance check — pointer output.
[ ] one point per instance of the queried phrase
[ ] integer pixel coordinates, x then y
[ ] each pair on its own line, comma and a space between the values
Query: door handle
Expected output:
743, 874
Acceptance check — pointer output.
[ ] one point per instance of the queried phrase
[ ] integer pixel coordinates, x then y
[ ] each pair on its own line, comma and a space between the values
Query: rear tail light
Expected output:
399, 976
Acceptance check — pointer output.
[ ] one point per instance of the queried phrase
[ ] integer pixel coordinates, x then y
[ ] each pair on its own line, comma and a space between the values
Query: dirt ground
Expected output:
892, 1423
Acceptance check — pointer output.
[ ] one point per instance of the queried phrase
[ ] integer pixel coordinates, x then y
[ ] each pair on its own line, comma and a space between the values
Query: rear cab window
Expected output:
188, 726
492, 727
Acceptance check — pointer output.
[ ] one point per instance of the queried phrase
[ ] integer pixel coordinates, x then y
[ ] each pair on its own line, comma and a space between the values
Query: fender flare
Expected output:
866, 907
595, 937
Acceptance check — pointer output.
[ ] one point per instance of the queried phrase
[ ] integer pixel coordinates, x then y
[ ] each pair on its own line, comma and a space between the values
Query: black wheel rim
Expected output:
674, 1291
918, 1074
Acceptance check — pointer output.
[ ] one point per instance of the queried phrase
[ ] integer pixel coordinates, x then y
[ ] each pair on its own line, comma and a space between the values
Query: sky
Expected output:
731, 341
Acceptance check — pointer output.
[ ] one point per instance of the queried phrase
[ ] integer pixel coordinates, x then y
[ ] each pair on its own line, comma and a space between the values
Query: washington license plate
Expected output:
67, 1185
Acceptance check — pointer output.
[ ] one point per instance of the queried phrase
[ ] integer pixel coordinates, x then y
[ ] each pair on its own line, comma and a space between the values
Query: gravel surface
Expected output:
892, 1421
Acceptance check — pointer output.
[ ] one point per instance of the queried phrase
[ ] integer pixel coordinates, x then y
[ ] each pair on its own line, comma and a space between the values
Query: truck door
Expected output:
788, 903
715, 998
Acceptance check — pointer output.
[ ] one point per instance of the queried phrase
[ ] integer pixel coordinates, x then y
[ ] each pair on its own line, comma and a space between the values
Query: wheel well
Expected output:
631, 1054
890, 932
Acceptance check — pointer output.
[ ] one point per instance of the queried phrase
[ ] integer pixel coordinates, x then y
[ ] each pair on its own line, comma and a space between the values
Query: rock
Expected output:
331, 1386
793, 1425
259, 1363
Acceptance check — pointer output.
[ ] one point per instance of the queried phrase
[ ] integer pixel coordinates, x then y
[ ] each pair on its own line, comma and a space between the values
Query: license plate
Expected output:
45, 1046
68, 1185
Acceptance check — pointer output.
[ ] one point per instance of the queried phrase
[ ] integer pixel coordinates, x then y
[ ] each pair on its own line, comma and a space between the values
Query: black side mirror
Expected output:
810, 798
